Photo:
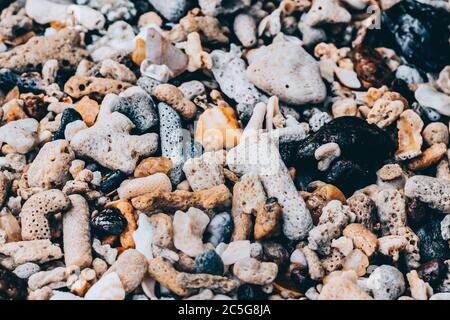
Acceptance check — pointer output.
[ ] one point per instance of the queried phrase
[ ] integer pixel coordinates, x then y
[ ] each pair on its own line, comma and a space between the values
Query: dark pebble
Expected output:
364, 148
416, 211
209, 262
304, 176
251, 292
112, 181
358, 141
140, 109
9, 80
400, 86
431, 244
34, 106
419, 33
348, 176
432, 271
301, 279
11, 286
109, 222
371, 67
219, 229
275, 252
69, 115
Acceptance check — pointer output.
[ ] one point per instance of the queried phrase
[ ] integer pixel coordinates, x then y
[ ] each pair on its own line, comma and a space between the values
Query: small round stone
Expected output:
109, 222
275, 252
219, 229
112, 181
209, 262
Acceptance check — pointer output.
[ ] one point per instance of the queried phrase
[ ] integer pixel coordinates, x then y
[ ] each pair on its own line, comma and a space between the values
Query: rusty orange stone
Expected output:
88, 109
20, 39
153, 165
138, 54
57, 25
127, 210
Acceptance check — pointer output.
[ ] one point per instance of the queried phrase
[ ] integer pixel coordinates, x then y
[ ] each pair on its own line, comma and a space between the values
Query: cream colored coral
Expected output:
253, 271
34, 213
362, 238
43, 278
342, 285
435, 132
326, 154
198, 58
356, 261
77, 233
315, 269
410, 139
110, 143
391, 246
344, 107
420, 290
209, 27
386, 109
188, 231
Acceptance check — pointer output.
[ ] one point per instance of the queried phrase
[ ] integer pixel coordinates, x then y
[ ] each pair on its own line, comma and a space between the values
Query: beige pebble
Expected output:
206, 281
253, 271
109, 287
100, 266
153, 165
88, 109
162, 230
410, 139
131, 266
139, 186
435, 132
420, 290
268, 220
174, 97
356, 261
344, 107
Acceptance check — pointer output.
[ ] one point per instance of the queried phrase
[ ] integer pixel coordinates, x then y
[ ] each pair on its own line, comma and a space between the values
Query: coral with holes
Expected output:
34, 213
64, 46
